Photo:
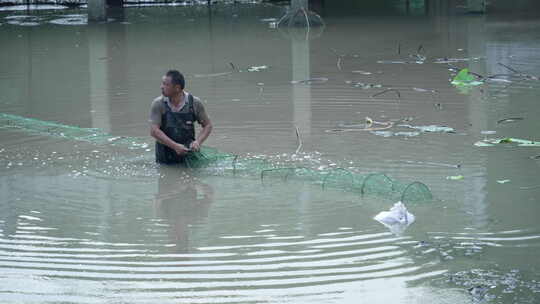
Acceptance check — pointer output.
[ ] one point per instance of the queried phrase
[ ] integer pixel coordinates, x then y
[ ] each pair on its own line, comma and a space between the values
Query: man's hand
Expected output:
195, 146
180, 149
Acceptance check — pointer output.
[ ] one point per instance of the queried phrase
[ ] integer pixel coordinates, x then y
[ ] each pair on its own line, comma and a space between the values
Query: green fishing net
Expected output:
338, 178
216, 162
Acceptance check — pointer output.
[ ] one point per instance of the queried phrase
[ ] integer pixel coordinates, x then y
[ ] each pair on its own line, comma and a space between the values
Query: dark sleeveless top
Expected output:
180, 127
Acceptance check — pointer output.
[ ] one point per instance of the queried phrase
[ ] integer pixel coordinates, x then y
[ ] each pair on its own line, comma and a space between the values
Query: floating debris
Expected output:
418, 56
503, 181
364, 86
509, 120
430, 128
339, 58
386, 91
23, 20
115, 138
493, 141
424, 90
383, 133
212, 75
32, 7
497, 286
361, 72
478, 292
494, 79
315, 80
369, 125
488, 132
431, 163
446, 60
483, 144
257, 68
390, 133
455, 177
529, 188
397, 219
71, 20
400, 62
519, 73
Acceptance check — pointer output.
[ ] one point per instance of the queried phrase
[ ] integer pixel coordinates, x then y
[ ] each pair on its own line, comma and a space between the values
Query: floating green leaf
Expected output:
464, 79
464, 76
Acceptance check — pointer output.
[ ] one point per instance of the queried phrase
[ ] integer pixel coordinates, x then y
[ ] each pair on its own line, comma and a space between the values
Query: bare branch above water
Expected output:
386, 91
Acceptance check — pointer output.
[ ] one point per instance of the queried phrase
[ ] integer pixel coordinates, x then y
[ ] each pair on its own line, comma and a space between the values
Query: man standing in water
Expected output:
172, 120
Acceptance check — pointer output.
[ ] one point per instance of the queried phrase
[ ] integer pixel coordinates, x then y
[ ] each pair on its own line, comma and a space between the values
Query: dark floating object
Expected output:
535, 156
478, 292
509, 120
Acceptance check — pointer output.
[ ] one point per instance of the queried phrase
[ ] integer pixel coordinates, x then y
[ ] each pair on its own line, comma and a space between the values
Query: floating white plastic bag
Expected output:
397, 219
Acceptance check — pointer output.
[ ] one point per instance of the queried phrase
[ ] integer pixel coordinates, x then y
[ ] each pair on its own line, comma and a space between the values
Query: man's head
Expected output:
172, 83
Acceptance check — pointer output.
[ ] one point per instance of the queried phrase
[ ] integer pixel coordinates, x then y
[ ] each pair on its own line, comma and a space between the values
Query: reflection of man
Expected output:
10, 219
183, 201
172, 119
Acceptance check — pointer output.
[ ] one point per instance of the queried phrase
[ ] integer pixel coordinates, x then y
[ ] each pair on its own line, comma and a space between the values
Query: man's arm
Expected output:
206, 124
203, 135
162, 138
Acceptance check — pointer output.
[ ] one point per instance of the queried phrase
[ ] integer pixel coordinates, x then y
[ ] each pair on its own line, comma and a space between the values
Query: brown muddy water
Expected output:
82, 222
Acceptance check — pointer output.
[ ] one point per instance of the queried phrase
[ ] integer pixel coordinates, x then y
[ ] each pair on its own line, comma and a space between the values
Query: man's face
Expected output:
168, 89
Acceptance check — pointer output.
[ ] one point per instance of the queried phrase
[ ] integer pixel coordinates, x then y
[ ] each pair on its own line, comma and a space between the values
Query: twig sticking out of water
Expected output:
232, 66
399, 48
299, 140
477, 75
339, 58
418, 56
307, 18
509, 68
499, 75
386, 91
261, 90
519, 73
281, 19
455, 69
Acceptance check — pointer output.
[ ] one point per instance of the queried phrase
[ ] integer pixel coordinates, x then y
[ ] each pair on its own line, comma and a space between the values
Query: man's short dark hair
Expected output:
176, 78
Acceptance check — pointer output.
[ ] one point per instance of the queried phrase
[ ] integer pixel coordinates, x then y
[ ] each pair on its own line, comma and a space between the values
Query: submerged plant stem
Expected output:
299, 140
386, 91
